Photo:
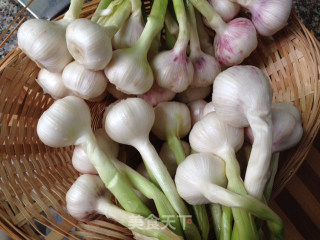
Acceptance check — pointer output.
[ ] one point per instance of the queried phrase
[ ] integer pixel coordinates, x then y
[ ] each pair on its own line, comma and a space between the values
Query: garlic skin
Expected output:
52, 84
171, 118
288, 107
129, 72
270, 16
168, 157
130, 31
196, 109
235, 42
206, 68
81, 162
89, 44
112, 89
67, 122
84, 83
225, 8
194, 173
193, 94
157, 95
44, 42
209, 108
173, 70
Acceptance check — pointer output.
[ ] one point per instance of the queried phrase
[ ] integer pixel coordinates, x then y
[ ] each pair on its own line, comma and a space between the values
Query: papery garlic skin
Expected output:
157, 95
129, 72
206, 68
44, 42
89, 44
168, 157
195, 172
270, 16
171, 118
193, 94
84, 83
196, 110
235, 42
130, 32
173, 70
66, 122
81, 162
52, 84
225, 8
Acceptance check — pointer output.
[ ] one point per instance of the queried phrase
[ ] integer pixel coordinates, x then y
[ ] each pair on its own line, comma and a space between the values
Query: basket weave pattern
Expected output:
35, 178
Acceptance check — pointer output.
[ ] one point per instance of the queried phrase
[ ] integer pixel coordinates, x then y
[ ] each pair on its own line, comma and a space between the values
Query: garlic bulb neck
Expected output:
89, 44
44, 42
66, 122
84, 83
193, 94
52, 84
157, 95
171, 118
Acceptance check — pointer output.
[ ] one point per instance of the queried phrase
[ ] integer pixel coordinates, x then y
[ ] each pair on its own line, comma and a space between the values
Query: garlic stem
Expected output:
176, 147
159, 230
136, 6
216, 213
195, 48
183, 36
103, 4
171, 24
74, 10
273, 169
214, 20
226, 223
205, 40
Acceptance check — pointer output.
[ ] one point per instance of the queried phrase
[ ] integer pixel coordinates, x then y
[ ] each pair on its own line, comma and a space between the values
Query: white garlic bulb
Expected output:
196, 109
85, 83
225, 8
89, 44
52, 84
81, 162
157, 95
193, 94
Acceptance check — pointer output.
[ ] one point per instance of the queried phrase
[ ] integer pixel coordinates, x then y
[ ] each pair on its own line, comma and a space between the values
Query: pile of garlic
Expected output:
164, 87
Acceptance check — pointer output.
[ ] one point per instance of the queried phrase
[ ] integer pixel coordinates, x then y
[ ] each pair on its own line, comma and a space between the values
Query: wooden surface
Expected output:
299, 203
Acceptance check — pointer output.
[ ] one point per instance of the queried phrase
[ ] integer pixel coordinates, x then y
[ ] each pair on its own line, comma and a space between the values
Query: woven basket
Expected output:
35, 178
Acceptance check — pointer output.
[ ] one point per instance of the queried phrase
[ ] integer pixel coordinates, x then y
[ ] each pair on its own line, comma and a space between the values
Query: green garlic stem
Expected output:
183, 36
74, 10
213, 18
274, 169
226, 223
195, 48
114, 180
243, 221
171, 24
153, 26
136, 6
216, 213
170, 39
176, 147
151, 191
103, 4
134, 222
227, 198
160, 172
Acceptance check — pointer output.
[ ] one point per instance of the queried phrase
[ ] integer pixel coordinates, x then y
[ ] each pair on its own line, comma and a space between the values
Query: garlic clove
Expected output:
173, 70
129, 72
52, 84
89, 44
157, 95
193, 94
235, 42
67, 122
84, 83
44, 42
171, 118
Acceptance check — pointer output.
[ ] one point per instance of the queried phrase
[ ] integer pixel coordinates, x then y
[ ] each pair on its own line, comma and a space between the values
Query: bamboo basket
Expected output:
35, 178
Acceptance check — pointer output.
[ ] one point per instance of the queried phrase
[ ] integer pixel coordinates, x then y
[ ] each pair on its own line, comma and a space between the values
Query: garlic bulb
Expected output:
268, 16
84, 83
171, 118
225, 8
112, 89
196, 109
129, 72
52, 84
173, 70
81, 162
193, 94
130, 32
129, 122
200, 179
89, 44
88, 197
169, 158
240, 108
157, 95
44, 42
208, 108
